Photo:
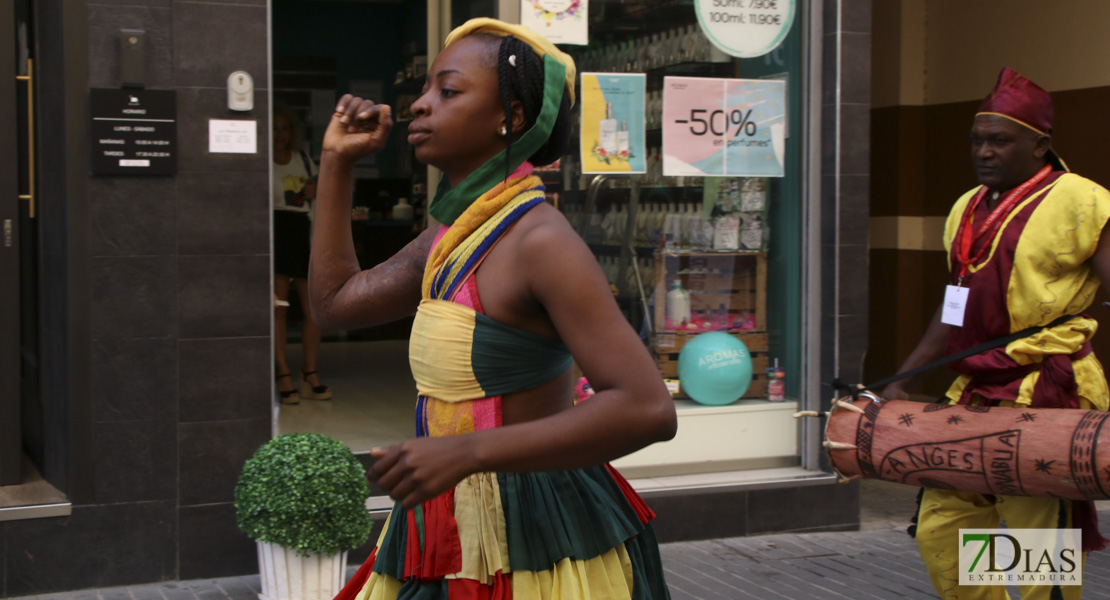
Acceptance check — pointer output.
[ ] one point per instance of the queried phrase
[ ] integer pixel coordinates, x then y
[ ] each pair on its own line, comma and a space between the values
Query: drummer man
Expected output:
1024, 248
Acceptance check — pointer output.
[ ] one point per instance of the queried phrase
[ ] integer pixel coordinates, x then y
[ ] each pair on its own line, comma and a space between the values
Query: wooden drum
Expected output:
1060, 453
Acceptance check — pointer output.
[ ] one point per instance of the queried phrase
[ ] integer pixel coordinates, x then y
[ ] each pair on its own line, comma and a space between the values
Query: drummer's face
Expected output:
1005, 154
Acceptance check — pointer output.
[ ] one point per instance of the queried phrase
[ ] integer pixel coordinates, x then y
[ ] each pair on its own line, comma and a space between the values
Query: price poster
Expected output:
561, 21
745, 28
723, 127
612, 139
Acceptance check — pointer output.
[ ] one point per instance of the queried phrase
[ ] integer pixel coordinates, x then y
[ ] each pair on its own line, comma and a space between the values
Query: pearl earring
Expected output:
503, 131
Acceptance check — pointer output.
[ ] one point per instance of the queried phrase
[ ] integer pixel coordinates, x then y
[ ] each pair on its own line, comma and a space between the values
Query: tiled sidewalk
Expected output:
859, 565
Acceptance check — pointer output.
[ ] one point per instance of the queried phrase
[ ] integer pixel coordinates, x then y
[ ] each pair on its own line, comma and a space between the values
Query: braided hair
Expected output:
524, 83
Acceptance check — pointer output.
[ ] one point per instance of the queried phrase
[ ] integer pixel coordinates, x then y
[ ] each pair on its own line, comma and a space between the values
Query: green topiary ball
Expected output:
305, 492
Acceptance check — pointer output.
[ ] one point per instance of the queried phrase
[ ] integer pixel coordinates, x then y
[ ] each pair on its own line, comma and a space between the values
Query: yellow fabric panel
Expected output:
481, 525
1052, 275
604, 577
952, 225
445, 419
1062, 339
385, 528
379, 587
481, 217
439, 351
1093, 391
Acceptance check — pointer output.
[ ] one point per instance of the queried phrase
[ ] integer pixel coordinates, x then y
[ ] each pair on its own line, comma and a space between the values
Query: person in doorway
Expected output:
1025, 248
505, 492
294, 188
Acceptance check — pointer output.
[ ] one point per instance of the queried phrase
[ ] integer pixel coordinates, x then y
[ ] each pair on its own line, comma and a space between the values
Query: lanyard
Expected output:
993, 222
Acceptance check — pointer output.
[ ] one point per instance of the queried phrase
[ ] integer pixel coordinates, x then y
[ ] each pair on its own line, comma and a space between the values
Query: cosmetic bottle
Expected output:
678, 306
607, 131
622, 138
776, 384
402, 211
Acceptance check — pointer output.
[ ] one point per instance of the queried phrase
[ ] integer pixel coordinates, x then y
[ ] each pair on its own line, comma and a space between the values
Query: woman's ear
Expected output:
518, 116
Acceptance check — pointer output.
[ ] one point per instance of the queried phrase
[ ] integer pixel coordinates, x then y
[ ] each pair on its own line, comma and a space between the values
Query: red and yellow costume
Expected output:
1034, 270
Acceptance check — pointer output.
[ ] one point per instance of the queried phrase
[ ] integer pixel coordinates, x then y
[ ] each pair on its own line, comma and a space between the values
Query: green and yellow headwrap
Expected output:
559, 73
540, 45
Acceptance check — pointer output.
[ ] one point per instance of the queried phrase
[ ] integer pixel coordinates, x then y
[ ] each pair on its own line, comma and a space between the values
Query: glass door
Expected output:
18, 240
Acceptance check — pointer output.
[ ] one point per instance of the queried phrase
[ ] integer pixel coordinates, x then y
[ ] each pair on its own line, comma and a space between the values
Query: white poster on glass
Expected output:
561, 21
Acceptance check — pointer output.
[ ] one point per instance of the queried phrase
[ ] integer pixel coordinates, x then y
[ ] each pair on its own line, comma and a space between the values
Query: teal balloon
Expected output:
715, 368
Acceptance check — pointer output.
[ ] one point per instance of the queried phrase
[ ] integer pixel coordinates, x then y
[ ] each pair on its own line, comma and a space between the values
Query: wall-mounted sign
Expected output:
561, 21
612, 139
723, 127
232, 136
134, 132
745, 28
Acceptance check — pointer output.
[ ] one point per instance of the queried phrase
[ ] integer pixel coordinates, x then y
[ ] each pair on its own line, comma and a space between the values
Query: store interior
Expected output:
753, 292
322, 49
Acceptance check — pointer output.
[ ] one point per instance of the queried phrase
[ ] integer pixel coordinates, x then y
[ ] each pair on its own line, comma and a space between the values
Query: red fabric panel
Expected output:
468, 589
1085, 518
1056, 387
413, 554
442, 549
356, 583
643, 511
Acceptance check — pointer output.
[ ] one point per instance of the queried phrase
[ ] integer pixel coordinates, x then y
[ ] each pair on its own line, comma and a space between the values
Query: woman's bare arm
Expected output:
341, 295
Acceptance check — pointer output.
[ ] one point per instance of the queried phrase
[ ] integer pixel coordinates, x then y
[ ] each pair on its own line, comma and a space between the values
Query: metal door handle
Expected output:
30, 195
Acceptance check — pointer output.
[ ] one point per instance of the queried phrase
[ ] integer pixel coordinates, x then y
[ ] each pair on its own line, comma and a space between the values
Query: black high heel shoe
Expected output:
313, 392
290, 396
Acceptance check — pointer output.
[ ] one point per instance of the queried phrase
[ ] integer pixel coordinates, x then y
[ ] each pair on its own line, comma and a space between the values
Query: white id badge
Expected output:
955, 303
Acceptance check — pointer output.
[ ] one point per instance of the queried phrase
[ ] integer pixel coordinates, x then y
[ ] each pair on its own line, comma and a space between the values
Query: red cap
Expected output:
1020, 100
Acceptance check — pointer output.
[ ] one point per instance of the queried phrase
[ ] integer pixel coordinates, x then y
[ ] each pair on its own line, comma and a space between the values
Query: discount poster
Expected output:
561, 21
723, 127
612, 139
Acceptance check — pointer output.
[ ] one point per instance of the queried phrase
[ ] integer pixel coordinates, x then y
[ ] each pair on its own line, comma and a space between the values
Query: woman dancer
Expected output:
506, 492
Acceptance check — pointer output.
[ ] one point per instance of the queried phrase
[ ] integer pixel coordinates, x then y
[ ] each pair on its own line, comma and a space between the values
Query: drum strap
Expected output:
997, 342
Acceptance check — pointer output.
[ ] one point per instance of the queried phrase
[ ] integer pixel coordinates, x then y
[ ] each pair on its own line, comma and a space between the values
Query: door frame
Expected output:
11, 441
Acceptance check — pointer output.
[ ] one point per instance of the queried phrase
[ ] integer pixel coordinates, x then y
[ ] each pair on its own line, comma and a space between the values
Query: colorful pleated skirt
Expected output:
576, 535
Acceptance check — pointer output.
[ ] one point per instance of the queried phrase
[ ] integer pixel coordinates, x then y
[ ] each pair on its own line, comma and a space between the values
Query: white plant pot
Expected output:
287, 576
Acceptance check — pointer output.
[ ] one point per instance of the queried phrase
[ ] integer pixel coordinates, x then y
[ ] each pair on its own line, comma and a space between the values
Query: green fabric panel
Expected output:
391, 554
418, 515
554, 515
450, 202
506, 359
414, 589
648, 582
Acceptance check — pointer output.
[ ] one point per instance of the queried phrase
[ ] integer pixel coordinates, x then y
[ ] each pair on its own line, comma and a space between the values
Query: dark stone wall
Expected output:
845, 189
178, 313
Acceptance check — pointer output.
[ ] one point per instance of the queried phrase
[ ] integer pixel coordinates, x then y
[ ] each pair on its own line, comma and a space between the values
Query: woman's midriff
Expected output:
551, 398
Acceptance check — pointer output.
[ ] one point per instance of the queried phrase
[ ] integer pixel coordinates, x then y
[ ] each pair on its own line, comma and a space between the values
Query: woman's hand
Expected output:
358, 128
420, 469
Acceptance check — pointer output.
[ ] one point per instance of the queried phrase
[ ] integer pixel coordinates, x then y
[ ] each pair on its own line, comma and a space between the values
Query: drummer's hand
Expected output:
895, 391
358, 128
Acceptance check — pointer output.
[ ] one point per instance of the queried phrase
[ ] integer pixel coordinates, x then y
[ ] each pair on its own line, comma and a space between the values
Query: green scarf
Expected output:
450, 202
